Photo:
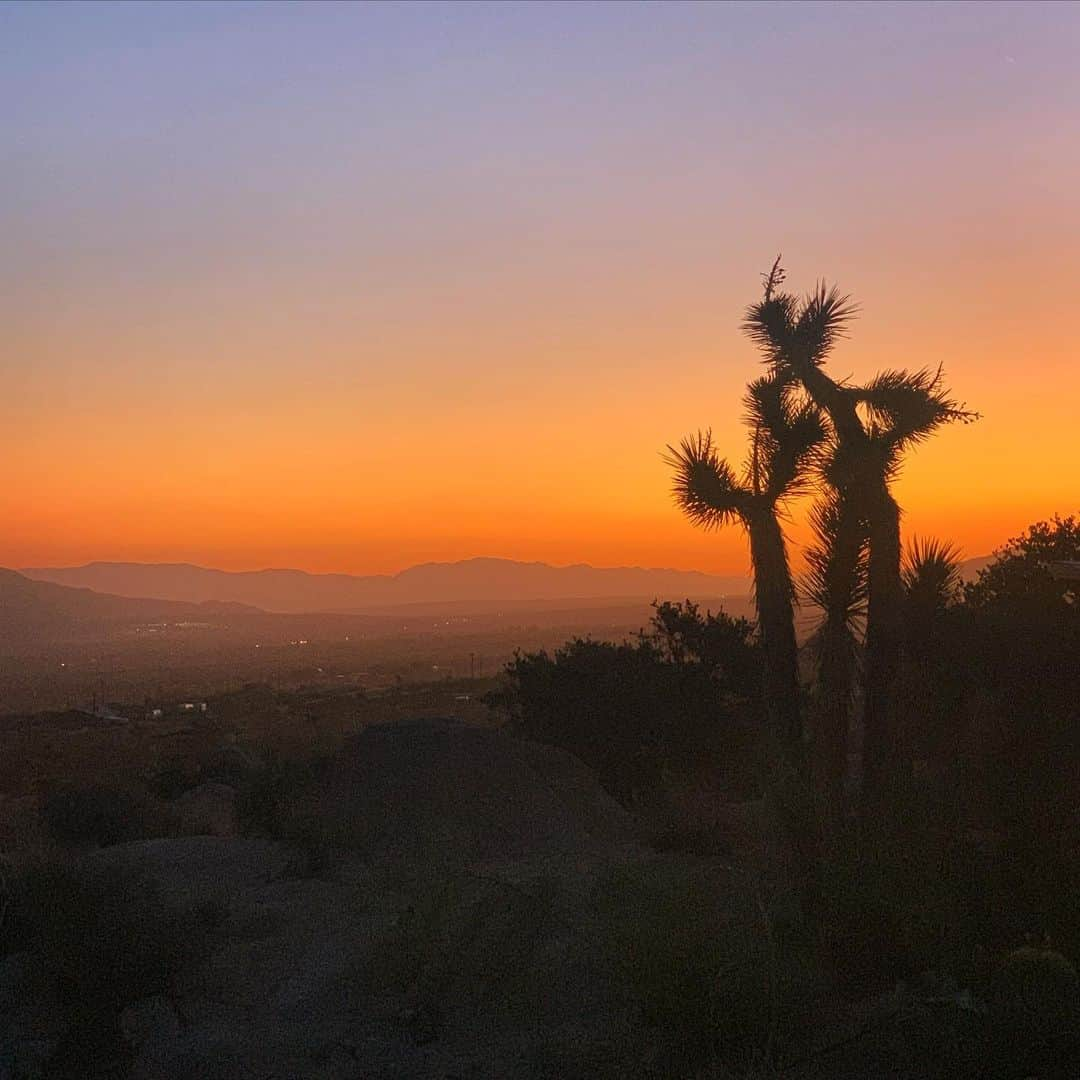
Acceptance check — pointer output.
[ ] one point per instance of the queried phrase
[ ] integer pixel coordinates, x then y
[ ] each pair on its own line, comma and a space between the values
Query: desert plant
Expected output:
871, 429
97, 939
102, 937
628, 713
704, 960
92, 815
835, 582
1034, 1015
931, 578
785, 433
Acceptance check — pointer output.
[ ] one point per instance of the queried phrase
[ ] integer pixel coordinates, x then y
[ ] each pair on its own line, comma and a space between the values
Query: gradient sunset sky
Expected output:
353, 287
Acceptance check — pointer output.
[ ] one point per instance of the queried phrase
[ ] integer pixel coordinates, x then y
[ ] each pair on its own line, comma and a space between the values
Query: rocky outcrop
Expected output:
208, 810
445, 793
449, 936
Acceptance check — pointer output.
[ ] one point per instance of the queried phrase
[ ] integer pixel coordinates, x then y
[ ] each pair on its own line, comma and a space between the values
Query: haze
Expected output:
353, 287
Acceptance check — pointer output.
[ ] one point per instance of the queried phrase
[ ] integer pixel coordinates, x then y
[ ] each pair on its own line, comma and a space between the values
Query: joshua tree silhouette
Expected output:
871, 427
786, 431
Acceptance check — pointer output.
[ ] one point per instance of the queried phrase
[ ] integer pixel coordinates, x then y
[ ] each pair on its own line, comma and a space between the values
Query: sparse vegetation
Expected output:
876, 828
685, 693
93, 940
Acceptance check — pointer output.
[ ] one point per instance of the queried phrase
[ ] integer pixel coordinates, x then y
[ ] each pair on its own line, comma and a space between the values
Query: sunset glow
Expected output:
356, 287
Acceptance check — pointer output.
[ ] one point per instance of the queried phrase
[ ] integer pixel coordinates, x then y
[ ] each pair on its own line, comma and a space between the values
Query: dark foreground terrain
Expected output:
438, 899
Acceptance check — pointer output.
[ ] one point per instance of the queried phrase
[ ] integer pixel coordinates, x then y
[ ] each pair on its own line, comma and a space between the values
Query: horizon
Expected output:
402, 330
964, 559
545, 539
392, 573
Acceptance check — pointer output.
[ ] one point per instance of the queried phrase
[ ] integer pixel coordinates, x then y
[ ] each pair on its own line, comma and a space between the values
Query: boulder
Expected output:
208, 810
195, 869
445, 793
150, 1025
457, 937
13, 971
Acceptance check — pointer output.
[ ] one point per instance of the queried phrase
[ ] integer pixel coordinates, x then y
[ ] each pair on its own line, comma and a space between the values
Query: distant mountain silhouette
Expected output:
483, 584
969, 568
39, 610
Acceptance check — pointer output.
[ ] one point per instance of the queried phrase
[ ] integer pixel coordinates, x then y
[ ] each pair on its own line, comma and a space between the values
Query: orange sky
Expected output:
353, 288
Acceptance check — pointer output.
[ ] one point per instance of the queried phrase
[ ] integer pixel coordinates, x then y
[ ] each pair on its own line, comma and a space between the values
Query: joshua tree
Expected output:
786, 431
835, 582
871, 428
931, 578
903, 409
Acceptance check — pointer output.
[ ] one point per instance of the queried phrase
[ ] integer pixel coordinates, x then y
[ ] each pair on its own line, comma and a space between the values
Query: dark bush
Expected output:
82, 816
172, 778
96, 941
265, 798
684, 692
705, 962
1034, 1014
101, 938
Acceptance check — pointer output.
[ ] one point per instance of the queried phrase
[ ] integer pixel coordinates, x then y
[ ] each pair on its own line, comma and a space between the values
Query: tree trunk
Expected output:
884, 638
836, 667
776, 620
788, 798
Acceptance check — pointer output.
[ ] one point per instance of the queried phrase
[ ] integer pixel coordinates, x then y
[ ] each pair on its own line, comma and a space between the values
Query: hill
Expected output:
481, 584
35, 610
970, 568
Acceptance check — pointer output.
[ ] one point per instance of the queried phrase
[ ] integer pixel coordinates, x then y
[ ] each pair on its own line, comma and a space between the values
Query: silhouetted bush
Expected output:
1034, 1015
276, 800
101, 937
208, 757
705, 960
172, 778
270, 792
685, 691
1004, 708
81, 816
96, 940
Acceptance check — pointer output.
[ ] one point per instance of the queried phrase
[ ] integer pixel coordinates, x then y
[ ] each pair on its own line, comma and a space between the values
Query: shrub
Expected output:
1034, 1013
96, 942
172, 778
94, 815
101, 938
702, 957
268, 798
684, 692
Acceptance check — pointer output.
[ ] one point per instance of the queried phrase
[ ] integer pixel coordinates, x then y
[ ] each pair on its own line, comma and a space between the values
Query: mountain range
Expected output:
481, 584
32, 610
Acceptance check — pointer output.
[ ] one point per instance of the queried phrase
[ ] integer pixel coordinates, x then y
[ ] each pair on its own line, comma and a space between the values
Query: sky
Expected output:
352, 287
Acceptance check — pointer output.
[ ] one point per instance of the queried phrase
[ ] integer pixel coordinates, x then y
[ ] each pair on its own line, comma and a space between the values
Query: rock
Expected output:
231, 765
1036, 991
29, 1057
13, 971
150, 1024
461, 940
444, 793
195, 869
208, 810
